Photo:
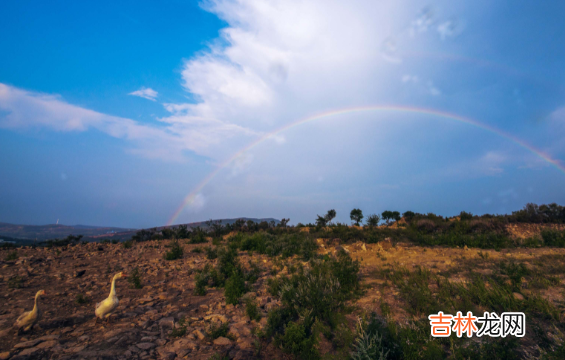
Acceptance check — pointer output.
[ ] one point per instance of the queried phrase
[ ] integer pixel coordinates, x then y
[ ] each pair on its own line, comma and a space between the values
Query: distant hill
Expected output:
29, 234
45, 232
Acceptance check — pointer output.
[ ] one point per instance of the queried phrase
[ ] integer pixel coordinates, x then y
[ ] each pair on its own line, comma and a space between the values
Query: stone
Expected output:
222, 341
29, 351
167, 322
145, 345
27, 344
199, 334
222, 318
518, 296
47, 344
49, 337
5, 355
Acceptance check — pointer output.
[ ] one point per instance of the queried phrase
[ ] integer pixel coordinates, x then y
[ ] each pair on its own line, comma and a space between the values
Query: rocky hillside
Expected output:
183, 308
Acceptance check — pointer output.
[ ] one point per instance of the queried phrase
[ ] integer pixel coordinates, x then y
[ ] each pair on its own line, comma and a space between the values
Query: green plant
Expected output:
356, 215
251, 309
388, 215
373, 220
368, 346
201, 281
197, 250
81, 299
12, 256
15, 282
175, 252
135, 279
127, 244
180, 329
215, 331
234, 288
211, 253
297, 341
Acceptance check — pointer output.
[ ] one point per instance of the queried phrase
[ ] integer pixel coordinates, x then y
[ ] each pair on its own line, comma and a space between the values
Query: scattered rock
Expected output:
27, 344
145, 345
518, 296
5, 355
222, 341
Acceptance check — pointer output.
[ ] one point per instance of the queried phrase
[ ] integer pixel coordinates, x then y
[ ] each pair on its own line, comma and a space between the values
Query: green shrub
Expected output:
180, 329
198, 237
297, 342
251, 309
135, 279
127, 244
201, 279
81, 299
211, 253
216, 331
368, 346
15, 282
12, 256
175, 252
553, 238
234, 288
197, 250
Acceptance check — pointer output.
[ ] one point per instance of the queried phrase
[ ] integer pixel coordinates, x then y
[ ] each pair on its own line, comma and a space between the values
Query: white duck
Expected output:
29, 318
105, 308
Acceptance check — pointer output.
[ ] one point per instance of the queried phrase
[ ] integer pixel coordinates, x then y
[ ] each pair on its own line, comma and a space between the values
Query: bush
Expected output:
127, 244
297, 342
15, 282
81, 299
12, 256
553, 238
176, 251
216, 331
211, 253
368, 345
234, 289
135, 279
201, 280
197, 250
373, 220
198, 237
251, 309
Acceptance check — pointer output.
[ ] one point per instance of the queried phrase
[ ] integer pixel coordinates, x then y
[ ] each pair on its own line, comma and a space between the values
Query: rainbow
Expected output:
390, 108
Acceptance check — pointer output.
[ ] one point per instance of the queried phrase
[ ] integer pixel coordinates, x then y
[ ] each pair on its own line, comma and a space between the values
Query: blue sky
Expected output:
111, 113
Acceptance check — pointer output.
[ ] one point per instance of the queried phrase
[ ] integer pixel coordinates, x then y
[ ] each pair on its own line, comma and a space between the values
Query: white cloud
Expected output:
146, 93
20, 109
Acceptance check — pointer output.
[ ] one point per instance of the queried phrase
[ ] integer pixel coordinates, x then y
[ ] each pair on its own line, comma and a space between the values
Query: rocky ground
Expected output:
141, 324
76, 278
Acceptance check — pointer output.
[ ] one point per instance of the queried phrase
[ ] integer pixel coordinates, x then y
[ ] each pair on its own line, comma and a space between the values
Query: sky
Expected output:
146, 113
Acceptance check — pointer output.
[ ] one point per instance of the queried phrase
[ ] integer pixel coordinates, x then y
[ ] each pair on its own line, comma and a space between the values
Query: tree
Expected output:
320, 221
330, 216
408, 216
356, 216
284, 222
390, 215
373, 220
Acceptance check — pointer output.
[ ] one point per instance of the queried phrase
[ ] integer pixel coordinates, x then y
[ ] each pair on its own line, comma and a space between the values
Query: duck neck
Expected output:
113, 289
35, 303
